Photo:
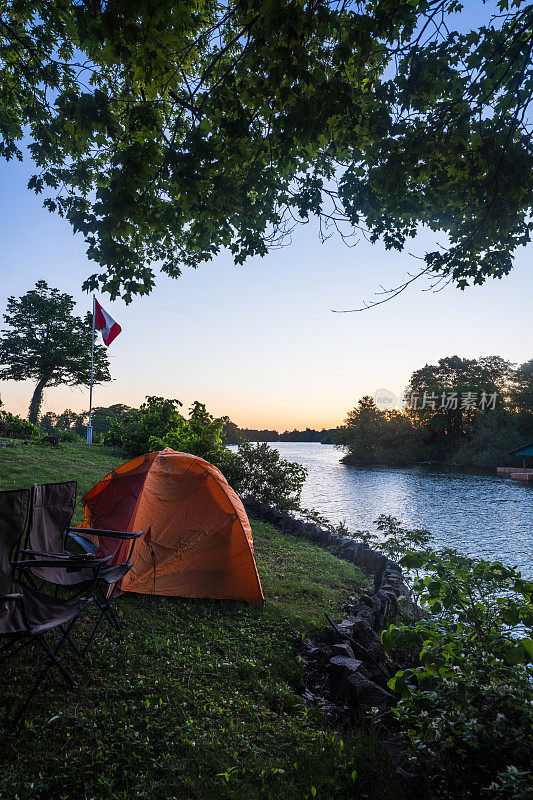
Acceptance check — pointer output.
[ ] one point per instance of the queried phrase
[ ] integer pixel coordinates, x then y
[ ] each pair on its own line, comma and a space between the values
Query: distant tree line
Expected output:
234, 435
103, 419
460, 411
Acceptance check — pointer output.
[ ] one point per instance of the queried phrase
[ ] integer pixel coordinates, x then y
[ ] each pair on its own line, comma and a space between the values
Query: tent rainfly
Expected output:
197, 539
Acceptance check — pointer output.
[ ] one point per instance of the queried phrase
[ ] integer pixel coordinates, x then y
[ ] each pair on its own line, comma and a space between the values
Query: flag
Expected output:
110, 329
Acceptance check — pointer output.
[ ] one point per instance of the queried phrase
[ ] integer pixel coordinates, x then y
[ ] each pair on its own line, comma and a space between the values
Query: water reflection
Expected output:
479, 514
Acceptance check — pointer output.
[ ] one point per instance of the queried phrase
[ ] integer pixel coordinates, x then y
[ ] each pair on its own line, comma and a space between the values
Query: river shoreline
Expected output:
351, 462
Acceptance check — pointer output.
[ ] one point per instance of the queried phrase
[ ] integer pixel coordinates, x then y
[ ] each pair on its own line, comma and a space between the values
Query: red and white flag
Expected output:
110, 329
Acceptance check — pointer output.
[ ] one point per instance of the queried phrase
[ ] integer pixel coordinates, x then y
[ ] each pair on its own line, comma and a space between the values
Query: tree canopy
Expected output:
45, 342
166, 131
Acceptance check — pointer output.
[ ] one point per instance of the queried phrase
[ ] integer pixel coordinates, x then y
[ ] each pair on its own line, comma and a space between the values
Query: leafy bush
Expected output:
66, 436
394, 540
467, 706
390, 537
259, 471
133, 430
200, 435
15, 427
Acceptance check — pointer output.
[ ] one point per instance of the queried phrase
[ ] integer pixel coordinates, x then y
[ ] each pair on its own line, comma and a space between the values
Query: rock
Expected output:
375, 648
366, 602
339, 670
323, 536
343, 649
345, 627
362, 630
289, 524
342, 666
345, 545
366, 693
314, 532
274, 517
315, 651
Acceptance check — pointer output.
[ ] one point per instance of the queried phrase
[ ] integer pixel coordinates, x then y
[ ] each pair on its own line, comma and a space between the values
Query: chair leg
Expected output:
106, 605
74, 647
107, 611
52, 660
13, 723
94, 631
112, 615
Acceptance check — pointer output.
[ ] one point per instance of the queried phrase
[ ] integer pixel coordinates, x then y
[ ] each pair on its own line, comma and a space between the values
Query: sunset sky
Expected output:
260, 342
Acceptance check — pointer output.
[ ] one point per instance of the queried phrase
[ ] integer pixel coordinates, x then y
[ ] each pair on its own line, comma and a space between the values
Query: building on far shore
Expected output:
525, 452
524, 473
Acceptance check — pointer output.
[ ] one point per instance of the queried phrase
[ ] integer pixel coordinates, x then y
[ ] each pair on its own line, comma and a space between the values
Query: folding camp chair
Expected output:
52, 509
27, 616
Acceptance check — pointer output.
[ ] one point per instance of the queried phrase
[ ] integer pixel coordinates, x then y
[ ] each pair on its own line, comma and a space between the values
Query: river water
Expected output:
477, 513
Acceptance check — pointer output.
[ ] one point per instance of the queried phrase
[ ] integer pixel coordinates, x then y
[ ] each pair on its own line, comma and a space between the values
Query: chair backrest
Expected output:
52, 509
14, 507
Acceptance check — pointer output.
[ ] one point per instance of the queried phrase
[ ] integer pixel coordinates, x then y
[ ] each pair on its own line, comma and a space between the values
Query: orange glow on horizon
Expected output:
260, 417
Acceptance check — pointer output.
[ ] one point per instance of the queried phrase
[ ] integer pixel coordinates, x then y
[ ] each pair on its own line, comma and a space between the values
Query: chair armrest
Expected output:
47, 554
65, 555
68, 564
107, 534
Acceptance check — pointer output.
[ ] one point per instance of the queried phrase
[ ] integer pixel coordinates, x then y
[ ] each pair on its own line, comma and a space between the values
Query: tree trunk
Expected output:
36, 401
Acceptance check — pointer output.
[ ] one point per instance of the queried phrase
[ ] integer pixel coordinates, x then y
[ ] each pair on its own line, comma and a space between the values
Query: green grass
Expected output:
25, 464
193, 699
299, 580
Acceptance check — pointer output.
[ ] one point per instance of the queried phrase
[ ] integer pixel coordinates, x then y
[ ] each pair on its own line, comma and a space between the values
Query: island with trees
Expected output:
463, 412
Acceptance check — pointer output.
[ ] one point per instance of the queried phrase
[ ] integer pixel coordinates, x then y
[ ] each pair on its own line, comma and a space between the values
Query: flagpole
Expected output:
90, 427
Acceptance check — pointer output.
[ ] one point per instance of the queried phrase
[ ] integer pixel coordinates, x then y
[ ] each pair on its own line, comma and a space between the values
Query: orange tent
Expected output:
197, 539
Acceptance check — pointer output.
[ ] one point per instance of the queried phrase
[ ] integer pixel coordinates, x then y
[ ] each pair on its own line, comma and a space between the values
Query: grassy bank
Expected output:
193, 699
25, 464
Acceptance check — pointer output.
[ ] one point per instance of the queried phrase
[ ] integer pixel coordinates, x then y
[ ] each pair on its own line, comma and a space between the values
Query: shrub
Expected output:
467, 707
133, 430
15, 427
259, 471
200, 435
67, 436
394, 540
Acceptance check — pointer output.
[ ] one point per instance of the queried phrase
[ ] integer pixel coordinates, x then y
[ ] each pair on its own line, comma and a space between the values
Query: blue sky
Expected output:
259, 342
